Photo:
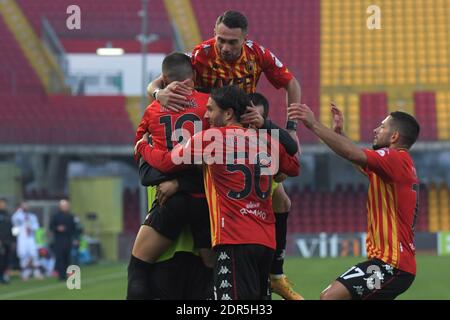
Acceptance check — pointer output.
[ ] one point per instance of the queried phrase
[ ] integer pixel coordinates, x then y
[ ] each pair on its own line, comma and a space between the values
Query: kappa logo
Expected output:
224, 270
223, 256
359, 290
389, 269
225, 284
226, 296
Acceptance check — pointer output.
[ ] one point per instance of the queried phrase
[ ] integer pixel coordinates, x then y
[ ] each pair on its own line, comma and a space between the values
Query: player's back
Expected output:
161, 122
239, 195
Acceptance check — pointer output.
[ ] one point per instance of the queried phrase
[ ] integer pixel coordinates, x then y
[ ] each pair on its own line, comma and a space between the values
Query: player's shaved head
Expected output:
177, 67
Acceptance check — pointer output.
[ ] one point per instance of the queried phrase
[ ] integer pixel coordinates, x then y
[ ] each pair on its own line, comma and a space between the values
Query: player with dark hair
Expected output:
392, 205
241, 216
231, 59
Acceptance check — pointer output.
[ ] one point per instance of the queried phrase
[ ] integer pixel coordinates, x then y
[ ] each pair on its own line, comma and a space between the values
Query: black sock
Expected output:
280, 235
139, 286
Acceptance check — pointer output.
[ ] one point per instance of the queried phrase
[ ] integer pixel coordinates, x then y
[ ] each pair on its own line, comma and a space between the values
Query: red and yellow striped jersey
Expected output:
212, 72
392, 207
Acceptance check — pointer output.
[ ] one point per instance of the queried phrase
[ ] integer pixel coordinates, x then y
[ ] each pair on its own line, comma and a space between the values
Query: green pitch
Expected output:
310, 277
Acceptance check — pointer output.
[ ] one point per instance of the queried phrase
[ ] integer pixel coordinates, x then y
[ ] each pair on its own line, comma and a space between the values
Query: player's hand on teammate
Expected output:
165, 190
144, 138
338, 119
279, 177
252, 117
173, 97
302, 112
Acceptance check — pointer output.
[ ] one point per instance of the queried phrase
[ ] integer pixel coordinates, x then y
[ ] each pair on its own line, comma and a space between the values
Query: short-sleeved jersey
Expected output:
238, 194
213, 72
161, 122
392, 207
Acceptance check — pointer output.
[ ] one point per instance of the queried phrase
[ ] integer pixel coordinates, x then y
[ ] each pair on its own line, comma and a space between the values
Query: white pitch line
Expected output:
58, 286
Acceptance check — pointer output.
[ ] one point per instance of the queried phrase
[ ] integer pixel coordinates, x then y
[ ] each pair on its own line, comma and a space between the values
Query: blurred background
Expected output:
68, 112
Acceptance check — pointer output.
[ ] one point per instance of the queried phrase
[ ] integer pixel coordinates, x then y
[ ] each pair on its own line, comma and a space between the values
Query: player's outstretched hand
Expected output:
252, 117
173, 97
165, 190
338, 119
302, 112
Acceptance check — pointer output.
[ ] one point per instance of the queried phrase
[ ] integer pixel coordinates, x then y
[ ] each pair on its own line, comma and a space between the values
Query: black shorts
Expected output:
179, 210
182, 277
375, 280
242, 272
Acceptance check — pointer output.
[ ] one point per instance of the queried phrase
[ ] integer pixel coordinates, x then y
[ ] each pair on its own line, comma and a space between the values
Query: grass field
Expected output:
311, 276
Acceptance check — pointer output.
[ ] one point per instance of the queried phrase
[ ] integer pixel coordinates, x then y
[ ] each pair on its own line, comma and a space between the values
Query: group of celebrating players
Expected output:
217, 228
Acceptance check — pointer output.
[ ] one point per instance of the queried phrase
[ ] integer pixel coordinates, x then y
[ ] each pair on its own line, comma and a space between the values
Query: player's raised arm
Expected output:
338, 143
293, 91
289, 164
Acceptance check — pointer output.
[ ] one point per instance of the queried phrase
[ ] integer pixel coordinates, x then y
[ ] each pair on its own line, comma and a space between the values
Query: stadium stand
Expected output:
131, 218
112, 21
16, 76
372, 110
425, 111
63, 119
344, 210
443, 114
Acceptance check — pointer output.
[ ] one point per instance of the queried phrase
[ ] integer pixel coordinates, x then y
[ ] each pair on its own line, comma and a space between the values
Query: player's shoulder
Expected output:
396, 157
153, 107
255, 47
203, 49
402, 154
405, 157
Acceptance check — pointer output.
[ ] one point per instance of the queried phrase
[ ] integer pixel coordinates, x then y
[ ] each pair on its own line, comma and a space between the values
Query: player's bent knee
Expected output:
335, 291
325, 295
